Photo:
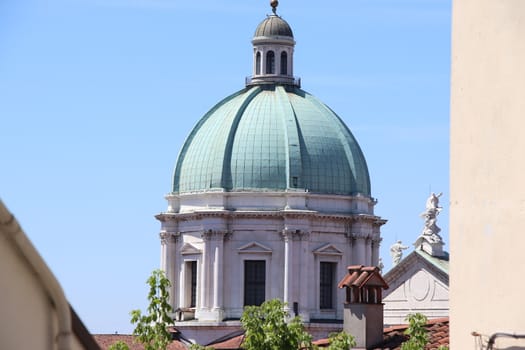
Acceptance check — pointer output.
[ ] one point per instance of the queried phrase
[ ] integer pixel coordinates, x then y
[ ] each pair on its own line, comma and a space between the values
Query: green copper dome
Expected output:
271, 138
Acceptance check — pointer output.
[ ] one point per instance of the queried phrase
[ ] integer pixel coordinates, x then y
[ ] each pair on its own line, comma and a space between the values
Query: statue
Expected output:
431, 230
396, 251
429, 240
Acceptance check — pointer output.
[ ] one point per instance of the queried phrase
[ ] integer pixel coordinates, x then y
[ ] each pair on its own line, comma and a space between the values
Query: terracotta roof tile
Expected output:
394, 336
106, 340
438, 330
359, 275
229, 344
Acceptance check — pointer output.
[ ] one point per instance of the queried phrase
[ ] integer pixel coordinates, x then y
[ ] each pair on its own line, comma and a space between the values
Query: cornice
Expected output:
291, 214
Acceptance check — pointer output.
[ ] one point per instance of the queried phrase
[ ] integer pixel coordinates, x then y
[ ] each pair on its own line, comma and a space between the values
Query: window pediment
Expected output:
188, 249
254, 248
328, 249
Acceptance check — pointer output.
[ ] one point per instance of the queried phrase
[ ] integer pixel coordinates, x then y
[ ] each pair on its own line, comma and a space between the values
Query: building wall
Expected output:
416, 290
292, 232
28, 319
487, 209
30, 298
25, 307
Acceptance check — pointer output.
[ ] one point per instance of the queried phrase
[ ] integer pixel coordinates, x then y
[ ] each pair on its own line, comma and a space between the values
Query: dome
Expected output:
271, 138
273, 26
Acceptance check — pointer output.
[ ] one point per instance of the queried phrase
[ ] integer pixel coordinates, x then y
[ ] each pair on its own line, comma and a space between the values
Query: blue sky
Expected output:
97, 96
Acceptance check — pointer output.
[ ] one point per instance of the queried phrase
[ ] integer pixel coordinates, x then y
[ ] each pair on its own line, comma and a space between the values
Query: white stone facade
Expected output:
418, 284
291, 232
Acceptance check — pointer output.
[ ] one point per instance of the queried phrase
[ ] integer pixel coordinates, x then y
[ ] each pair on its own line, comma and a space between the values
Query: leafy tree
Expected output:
417, 332
266, 328
151, 329
341, 340
200, 347
119, 345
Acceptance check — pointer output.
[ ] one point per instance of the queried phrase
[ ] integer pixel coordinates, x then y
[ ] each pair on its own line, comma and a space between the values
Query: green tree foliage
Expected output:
200, 347
417, 332
267, 329
151, 329
340, 341
118, 345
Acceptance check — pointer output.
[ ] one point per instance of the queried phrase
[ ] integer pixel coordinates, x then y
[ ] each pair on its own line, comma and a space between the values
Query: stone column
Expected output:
168, 244
205, 274
212, 275
218, 242
288, 272
368, 251
376, 243
359, 248
305, 258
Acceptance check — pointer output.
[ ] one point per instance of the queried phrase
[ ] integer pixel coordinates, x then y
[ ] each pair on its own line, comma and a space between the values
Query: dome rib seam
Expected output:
226, 177
181, 156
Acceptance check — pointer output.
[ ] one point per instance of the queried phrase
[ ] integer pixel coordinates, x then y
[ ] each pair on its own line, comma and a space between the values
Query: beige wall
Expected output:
34, 313
26, 309
487, 209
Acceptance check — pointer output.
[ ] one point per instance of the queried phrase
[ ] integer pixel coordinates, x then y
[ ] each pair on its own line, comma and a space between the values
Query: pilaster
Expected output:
212, 307
168, 263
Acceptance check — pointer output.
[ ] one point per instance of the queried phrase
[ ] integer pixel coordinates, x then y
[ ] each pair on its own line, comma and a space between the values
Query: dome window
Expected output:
258, 63
284, 63
270, 62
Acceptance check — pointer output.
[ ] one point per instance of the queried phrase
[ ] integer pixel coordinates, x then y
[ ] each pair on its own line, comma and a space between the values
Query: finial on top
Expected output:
274, 4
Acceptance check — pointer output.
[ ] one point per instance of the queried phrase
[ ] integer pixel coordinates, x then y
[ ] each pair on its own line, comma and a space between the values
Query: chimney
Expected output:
363, 309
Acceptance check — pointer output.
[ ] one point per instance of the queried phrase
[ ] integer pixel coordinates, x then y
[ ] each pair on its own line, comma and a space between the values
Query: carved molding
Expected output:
328, 250
254, 248
361, 235
214, 235
169, 237
295, 234
346, 217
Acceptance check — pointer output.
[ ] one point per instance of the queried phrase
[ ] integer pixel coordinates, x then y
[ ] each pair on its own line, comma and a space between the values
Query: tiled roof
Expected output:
106, 340
359, 275
438, 330
229, 342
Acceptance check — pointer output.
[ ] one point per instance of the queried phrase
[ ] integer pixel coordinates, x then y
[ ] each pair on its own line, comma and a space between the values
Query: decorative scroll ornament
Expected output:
214, 235
168, 237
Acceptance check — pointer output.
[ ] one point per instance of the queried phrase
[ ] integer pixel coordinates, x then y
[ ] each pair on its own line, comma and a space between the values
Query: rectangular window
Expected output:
254, 282
193, 298
191, 284
326, 285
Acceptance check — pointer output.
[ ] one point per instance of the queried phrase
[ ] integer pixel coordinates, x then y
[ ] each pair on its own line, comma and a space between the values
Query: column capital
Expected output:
214, 235
360, 235
295, 234
376, 240
169, 237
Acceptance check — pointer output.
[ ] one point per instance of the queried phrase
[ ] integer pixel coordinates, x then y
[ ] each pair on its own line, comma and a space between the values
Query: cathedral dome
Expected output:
273, 26
271, 138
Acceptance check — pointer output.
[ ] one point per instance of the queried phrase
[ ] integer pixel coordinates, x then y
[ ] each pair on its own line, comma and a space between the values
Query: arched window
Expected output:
270, 62
284, 63
258, 63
